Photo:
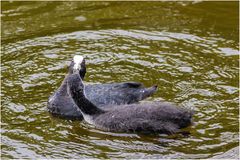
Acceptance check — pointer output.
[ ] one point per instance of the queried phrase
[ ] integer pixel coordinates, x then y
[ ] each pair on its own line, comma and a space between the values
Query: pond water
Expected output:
190, 49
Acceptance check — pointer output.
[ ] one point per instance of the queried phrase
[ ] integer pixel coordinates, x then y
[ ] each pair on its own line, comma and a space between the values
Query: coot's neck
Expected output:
76, 90
86, 106
63, 88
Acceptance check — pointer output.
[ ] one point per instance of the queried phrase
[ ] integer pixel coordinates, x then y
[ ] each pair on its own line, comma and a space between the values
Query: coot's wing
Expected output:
117, 93
171, 113
132, 85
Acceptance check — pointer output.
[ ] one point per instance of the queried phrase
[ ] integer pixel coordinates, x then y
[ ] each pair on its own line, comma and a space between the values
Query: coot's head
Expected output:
75, 86
77, 65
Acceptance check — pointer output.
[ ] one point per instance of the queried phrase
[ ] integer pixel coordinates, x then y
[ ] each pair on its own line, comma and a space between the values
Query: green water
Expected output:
190, 49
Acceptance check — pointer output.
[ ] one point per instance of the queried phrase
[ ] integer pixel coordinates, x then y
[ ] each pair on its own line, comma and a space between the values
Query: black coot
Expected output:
155, 117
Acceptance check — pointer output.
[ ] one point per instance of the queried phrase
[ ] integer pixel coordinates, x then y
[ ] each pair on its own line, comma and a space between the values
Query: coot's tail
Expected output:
146, 92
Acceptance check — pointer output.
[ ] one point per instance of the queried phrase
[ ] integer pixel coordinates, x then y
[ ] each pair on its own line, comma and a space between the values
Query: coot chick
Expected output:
147, 118
102, 95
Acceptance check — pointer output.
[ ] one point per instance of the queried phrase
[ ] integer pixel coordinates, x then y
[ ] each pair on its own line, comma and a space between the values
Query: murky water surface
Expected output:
190, 49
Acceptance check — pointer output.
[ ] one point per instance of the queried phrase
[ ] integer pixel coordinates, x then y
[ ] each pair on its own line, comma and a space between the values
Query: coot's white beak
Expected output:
77, 59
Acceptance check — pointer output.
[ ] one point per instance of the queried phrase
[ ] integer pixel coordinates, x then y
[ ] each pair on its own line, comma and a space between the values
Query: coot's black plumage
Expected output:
145, 118
101, 95
155, 117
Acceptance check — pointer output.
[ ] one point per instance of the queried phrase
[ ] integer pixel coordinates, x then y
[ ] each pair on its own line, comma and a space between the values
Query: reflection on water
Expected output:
162, 43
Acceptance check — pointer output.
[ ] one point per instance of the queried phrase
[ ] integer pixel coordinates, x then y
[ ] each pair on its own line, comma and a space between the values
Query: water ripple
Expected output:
190, 70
